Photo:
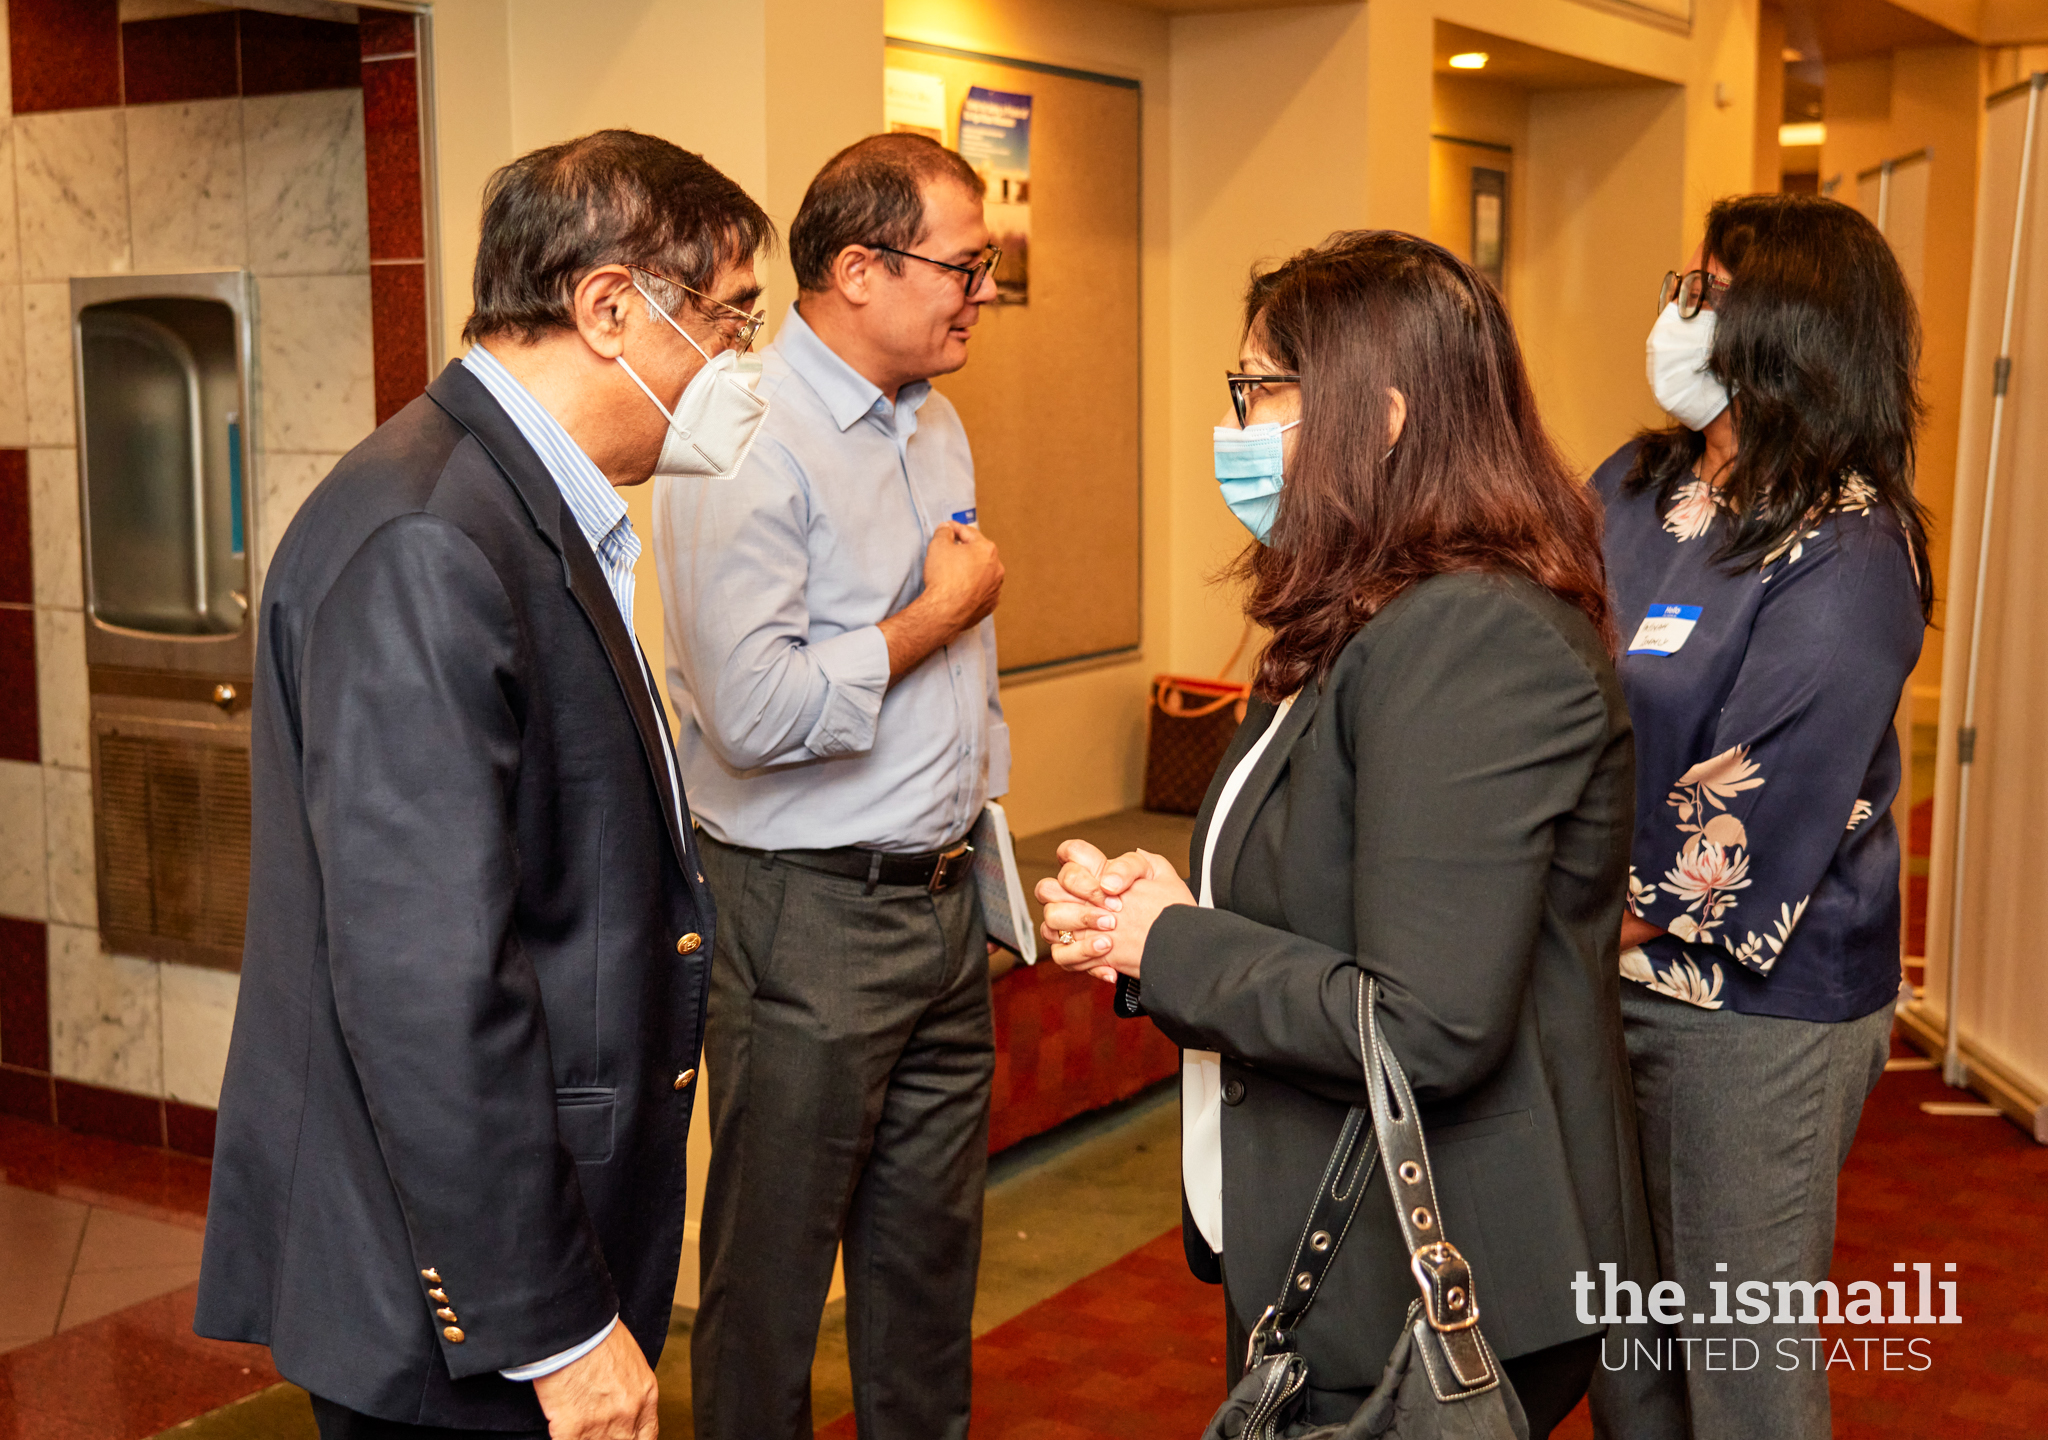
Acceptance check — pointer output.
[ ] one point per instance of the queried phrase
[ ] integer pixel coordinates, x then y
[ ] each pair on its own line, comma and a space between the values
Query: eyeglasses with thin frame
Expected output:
746, 326
974, 274
1243, 385
1695, 290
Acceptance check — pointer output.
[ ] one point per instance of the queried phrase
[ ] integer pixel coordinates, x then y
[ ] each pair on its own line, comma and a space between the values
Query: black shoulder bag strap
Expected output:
1458, 1360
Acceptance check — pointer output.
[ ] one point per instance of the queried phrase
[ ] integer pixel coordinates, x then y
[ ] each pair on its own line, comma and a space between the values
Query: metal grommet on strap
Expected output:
1320, 1241
1422, 1219
1410, 1172
1304, 1282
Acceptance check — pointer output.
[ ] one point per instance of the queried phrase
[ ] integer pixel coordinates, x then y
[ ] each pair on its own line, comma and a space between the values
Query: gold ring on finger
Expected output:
1066, 937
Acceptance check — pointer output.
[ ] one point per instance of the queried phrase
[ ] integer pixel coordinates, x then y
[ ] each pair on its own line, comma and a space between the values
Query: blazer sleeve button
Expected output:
439, 1295
683, 1080
431, 1275
689, 944
446, 1314
453, 1334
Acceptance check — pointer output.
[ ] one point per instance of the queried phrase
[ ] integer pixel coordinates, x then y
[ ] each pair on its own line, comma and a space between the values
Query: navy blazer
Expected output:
477, 950
1448, 809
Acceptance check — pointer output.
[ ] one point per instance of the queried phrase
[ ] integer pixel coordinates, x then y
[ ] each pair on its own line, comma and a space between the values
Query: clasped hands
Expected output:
1098, 911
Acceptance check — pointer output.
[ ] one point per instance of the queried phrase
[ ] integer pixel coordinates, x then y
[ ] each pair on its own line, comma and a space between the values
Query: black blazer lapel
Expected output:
464, 397
1265, 775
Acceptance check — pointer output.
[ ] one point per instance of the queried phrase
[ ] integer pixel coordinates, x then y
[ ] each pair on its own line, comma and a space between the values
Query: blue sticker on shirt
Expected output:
963, 517
1664, 630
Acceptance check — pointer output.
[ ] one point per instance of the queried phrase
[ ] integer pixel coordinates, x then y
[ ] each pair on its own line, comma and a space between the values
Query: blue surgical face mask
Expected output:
1248, 468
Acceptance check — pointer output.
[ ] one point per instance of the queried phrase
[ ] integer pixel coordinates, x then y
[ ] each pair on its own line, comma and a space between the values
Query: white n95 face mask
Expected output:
714, 423
1677, 364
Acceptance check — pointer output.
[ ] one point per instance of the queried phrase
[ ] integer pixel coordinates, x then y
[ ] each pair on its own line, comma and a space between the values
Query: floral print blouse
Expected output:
1766, 763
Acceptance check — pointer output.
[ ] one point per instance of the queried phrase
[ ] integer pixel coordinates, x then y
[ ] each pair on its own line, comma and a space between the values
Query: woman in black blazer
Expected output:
1433, 784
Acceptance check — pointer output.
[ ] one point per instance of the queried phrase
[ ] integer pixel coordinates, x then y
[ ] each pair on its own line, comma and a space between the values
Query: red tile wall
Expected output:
24, 994
185, 57
398, 272
28, 1095
116, 1114
72, 54
17, 577
398, 334
288, 52
65, 54
19, 736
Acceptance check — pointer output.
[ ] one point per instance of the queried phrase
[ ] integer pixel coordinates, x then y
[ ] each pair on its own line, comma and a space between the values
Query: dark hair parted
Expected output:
1818, 341
609, 198
871, 193
1473, 484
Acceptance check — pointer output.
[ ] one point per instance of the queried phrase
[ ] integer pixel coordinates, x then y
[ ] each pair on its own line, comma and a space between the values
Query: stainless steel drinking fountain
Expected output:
166, 403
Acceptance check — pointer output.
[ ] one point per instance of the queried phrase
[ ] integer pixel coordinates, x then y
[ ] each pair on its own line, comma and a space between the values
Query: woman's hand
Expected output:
1098, 912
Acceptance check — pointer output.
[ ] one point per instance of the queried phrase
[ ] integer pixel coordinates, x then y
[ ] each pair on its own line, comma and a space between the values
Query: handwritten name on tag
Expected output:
1664, 629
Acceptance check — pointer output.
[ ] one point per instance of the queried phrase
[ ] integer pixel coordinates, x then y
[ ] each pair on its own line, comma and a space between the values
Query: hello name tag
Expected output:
1664, 629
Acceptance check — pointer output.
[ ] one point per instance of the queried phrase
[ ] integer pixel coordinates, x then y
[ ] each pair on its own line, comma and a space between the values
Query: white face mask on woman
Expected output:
1678, 352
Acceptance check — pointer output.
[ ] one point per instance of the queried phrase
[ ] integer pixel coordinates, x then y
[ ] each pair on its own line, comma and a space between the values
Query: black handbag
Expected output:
1442, 1381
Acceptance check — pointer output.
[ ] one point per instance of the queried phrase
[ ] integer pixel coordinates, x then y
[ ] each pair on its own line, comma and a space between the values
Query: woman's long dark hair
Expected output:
1474, 483
1818, 340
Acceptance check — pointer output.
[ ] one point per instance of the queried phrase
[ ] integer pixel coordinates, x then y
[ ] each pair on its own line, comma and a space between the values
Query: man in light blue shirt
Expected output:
833, 664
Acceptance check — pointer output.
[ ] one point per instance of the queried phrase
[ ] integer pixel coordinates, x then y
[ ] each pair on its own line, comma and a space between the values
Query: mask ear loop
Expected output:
654, 309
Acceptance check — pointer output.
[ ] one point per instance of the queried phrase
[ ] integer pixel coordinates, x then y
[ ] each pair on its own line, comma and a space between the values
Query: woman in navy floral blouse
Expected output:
1768, 566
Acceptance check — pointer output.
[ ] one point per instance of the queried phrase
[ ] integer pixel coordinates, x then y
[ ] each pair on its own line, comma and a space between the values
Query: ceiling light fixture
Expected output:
1793, 136
1470, 60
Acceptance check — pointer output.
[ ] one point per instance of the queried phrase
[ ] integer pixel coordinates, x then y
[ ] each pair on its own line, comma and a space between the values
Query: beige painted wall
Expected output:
1264, 162
1077, 733
1607, 219
1879, 109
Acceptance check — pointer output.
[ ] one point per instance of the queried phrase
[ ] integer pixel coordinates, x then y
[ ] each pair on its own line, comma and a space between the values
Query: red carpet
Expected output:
1136, 1350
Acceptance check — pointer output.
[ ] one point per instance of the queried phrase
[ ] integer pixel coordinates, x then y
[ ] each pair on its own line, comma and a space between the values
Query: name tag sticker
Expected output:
1664, 629
963, 517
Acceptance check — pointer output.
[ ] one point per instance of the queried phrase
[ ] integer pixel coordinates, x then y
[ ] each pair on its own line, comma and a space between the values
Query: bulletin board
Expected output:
1050, 393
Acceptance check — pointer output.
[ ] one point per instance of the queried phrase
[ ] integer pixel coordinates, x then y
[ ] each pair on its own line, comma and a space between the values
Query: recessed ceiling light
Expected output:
1470, 60
1812, 133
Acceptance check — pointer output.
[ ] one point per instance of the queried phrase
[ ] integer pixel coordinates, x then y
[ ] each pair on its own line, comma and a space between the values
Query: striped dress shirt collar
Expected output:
600, 513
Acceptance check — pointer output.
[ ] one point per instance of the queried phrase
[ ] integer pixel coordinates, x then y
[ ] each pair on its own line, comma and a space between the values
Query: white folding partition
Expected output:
1986, 996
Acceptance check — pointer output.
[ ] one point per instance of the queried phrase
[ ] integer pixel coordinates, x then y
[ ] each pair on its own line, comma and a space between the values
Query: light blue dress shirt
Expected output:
773, 584
598, 511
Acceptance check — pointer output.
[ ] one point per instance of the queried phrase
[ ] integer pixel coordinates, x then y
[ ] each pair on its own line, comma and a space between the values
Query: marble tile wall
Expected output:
274, 183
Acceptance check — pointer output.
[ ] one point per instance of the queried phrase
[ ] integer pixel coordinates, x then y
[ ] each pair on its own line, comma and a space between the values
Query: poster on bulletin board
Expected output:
915, 102
995, 138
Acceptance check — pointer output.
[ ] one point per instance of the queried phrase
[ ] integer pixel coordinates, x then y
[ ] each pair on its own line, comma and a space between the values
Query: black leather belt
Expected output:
936, 870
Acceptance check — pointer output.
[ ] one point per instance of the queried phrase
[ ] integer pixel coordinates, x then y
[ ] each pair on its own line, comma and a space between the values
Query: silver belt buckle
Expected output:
942, 873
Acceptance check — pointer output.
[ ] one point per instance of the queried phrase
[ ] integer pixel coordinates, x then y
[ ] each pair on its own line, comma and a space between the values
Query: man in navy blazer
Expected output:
448, 1185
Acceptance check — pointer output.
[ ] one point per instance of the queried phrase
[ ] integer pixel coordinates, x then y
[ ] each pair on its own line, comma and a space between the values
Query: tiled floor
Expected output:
64, 1262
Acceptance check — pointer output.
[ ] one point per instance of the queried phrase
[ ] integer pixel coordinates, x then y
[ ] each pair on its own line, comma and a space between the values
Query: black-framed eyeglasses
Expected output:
1694, 291
1244, 385
974, 274
744, 326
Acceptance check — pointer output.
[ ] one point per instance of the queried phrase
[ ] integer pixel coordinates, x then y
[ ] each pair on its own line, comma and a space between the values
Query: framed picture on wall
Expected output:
1490, 224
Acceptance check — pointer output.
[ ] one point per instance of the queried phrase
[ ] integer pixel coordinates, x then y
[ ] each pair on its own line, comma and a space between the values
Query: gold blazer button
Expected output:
454, 1334
683, 1080
689, 944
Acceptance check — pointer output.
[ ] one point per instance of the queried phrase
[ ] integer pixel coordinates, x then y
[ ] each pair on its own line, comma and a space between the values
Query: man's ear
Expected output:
602, 305
853, 273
